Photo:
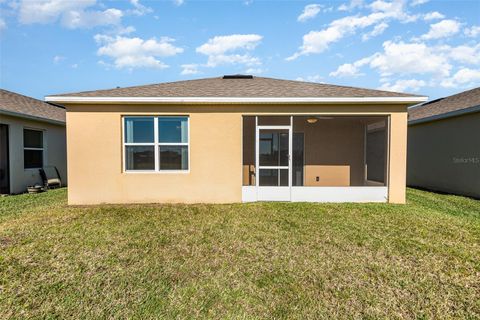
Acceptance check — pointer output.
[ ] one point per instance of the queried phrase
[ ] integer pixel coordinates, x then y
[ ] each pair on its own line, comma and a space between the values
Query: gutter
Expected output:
239, 100
30, 117
446, 115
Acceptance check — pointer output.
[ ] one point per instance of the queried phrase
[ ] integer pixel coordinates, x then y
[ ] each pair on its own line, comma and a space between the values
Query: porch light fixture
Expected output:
312, 120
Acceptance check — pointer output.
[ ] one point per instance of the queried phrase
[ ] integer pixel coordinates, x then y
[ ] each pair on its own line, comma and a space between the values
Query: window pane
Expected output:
283, 148
298, 161
284, 177
139, 130
32, 138
376, 153
173, 158
32, 159
273, 148
173, 129
269, 177
139, 158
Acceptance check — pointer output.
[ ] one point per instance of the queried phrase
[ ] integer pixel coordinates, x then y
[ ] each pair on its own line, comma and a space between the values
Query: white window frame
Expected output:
36, 149
156, 144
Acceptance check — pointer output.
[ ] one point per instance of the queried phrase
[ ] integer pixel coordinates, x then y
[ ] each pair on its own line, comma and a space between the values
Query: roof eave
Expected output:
236, 100
446, 115
30, 117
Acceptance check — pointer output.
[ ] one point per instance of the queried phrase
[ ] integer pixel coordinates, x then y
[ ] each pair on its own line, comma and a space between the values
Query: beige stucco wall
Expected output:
54, 151
444, 155
95, 152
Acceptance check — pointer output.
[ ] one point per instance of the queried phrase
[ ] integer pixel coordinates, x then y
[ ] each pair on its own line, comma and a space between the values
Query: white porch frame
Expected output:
306, 193
273, 193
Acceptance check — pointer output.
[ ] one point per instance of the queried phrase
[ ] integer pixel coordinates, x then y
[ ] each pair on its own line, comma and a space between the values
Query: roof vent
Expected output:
238, 76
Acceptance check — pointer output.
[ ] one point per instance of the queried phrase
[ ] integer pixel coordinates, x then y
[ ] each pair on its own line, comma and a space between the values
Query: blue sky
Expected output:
419, 46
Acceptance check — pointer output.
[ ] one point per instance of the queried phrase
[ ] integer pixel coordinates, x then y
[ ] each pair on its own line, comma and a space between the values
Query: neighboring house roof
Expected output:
461, 103
236, 88
15, 104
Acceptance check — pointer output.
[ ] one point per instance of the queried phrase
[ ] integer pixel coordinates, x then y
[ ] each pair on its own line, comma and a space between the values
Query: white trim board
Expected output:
325, 194
241, 100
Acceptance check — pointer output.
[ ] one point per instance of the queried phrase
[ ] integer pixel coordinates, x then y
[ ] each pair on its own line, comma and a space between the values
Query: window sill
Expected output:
157, 172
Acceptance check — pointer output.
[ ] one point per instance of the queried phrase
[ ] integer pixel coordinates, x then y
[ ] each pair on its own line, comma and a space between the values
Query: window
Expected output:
32, 149
156, 143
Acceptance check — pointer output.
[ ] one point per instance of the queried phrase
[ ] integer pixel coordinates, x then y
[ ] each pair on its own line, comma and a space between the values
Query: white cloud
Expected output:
139, 9
442, 29
178, 2
377, 30
434, 63
410, 58
463, 53
350, 6
224, 49
472, 32
418, 2
136, 52
319, 41
393, 9
463, 77
58, 59
189, 69
345, 70
350, 69
72, 14
3, 25
309, 12
221, 59
403, 85
124, 30
315, 78
223, 44
46, 11
88, 19
254, 71
433, 16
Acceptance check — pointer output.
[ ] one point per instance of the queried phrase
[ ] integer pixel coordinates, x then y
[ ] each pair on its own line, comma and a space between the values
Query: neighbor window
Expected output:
32, 149
156, 143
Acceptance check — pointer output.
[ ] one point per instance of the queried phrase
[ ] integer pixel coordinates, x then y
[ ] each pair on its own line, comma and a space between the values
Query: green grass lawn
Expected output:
240, 261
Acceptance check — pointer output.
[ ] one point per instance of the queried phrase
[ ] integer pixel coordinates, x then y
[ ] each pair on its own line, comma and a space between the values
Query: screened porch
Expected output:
315, 158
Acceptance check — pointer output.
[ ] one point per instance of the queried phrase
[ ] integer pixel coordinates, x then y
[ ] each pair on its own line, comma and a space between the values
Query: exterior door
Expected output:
273, 163
4, 160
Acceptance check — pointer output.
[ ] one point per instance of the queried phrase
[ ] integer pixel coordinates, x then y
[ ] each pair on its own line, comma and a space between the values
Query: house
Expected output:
32, 136
236, 138
444, 144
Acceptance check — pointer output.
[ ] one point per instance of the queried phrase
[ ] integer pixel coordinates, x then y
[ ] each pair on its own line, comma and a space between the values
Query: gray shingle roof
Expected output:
17, 103
256, 87
457, 102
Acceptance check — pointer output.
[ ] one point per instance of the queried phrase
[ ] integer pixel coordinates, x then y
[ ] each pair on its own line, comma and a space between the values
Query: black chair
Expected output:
51, 177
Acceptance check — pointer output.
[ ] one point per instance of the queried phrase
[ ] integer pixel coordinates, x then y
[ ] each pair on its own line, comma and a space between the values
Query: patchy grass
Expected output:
264, 260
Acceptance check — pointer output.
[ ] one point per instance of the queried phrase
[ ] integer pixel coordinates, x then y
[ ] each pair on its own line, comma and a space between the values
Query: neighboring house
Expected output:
32, 136
444, 144
236, 138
